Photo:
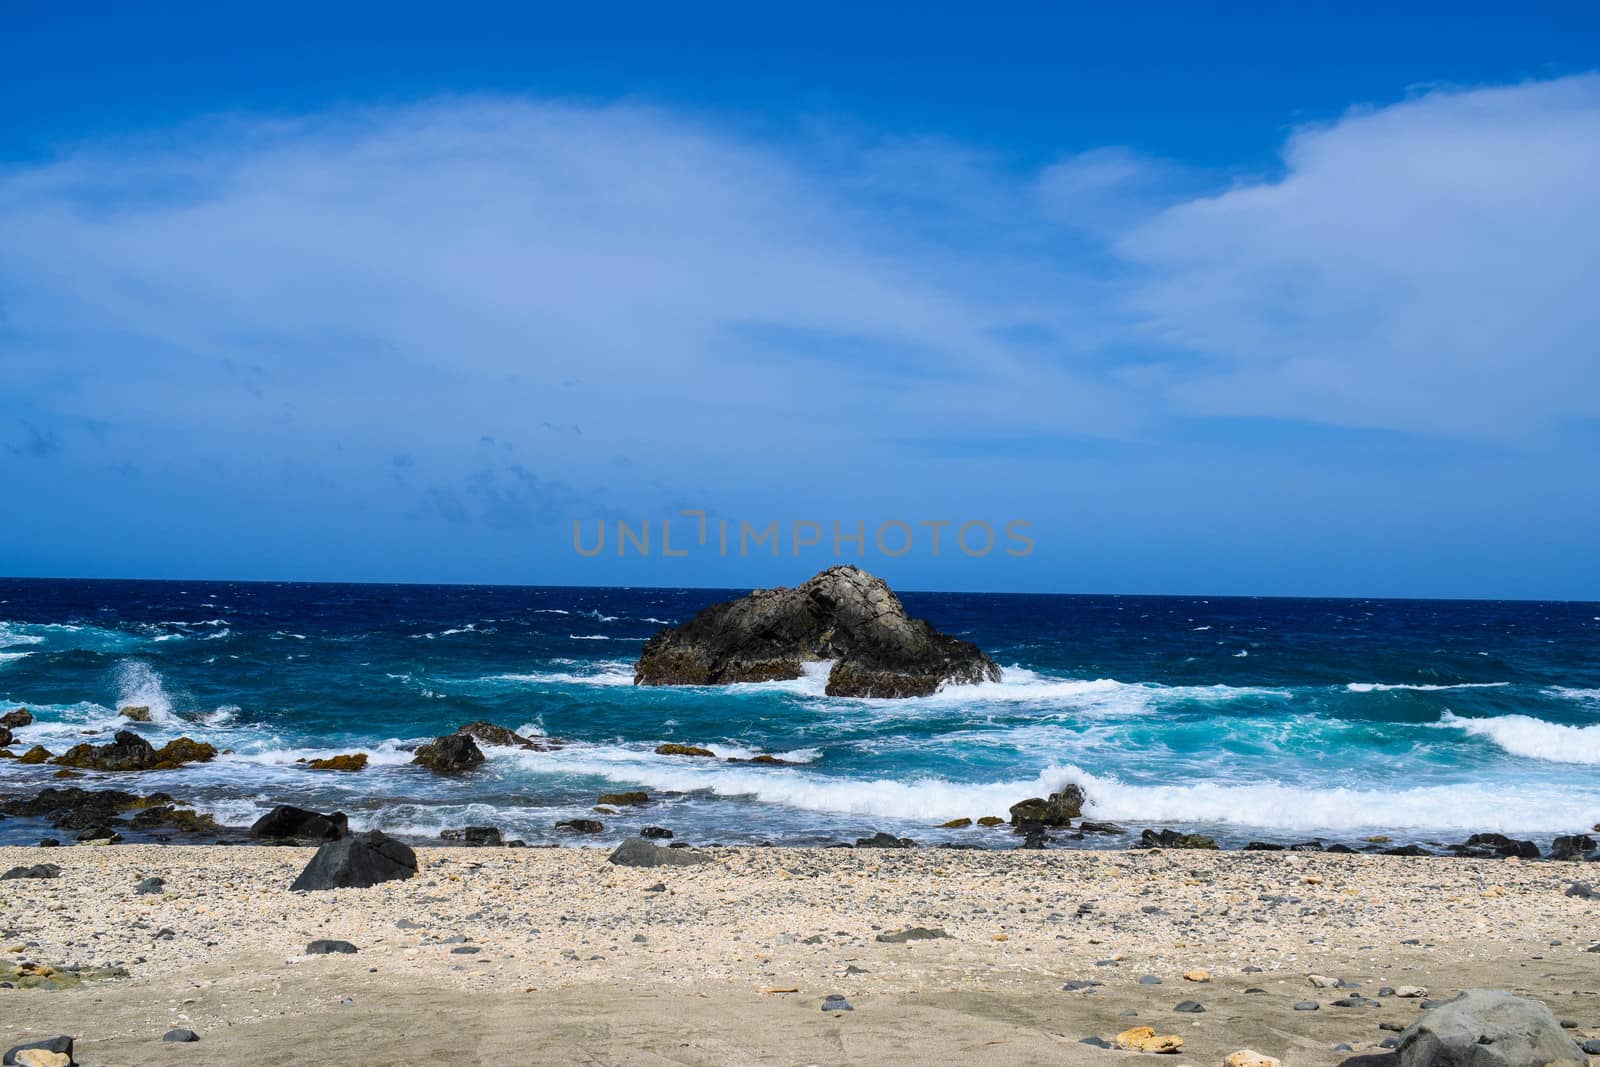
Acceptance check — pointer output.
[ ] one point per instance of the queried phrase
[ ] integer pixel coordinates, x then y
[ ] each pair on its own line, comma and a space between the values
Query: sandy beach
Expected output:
502, 956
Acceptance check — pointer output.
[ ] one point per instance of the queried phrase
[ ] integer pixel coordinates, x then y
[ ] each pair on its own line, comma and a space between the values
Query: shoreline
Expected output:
582, 960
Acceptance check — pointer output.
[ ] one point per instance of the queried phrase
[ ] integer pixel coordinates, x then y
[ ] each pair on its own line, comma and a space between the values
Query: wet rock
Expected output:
16, 720
34, 755
637, 852
955, 824
674, 749
328, 947
356, 862
581, 826
1406, 850
38, 870
127, 751
842, 614
883, 840
765, 759
487, 733
1173, 839
289, 822
655, 833
1262, 846
1484, 1027
180, 1035
5, 736
1501, 845
913, 933
60, 1046
1058, 809
624, 800
1089, 826
135, 713
450, 754
355, 761
991, 820
1571, 846
97, 834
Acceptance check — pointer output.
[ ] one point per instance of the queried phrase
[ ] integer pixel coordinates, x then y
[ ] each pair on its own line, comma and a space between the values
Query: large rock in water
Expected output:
288, 821
1487, 1028
357, 862
450, 754
130, 752
843, 614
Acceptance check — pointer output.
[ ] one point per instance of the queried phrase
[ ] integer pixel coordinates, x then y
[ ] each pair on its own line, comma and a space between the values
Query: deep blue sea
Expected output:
1275, 719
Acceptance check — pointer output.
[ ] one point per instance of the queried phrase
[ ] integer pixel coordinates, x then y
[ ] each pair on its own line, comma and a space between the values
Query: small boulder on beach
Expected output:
356, 862
1484, 1027
637, 852
328, 947
449, 754
38, 870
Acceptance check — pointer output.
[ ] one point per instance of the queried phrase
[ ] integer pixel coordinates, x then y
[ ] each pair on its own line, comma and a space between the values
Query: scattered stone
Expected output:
450, 754
1197, 976
843, 614
180, 1035
357, 862
1149, 979
1411, 992
1080, 985
1582, 890
1322, 981
836, 1002
1145, 1039
637, 852
1592, 1046
674, 749
1190, 1007
1484, 1027
147, 886
289, 822
1173, 839
38, 870
487, 733
1088, 826
1307, 1005
623, 800
355, 761
655, 833
127, 751
1096, 1042
327, 947
487, 836
581, 826
883, 840
912, 933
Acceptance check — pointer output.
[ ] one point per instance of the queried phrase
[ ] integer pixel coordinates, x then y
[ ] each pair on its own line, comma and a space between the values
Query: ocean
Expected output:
1245, 718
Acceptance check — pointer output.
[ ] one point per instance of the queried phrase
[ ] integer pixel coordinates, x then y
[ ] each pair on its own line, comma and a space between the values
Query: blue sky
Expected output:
1218, 302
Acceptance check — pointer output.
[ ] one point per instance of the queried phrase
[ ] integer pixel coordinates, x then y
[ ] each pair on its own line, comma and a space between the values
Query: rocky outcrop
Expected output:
17, 719
289, 823
130, 752
1486, 1028
843, 614
450, 754
354, 761
1572, 846
1059, 809
358, 861
673, 749
84, 809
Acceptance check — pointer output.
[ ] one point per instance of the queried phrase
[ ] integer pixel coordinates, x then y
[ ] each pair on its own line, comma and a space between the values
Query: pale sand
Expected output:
559, 977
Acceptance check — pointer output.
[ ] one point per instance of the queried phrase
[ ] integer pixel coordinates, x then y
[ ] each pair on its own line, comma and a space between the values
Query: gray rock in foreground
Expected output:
843, 614
357, 862
1486, 1028
637, 852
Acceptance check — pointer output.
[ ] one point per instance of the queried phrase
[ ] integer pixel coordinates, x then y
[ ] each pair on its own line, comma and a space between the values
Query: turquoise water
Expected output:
1251, 719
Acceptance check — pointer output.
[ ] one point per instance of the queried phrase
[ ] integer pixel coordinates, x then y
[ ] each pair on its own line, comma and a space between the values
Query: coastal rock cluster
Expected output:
842, 614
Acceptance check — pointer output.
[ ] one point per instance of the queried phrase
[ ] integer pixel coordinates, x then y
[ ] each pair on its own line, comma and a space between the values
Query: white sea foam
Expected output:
13, 634
1383, 687
1586, 696
138, 684
611, 676
1523, 735
12, 657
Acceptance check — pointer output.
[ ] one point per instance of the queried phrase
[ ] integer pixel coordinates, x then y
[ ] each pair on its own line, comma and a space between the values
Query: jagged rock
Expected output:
16, 720
843, 614
36, 754
135, 713
130, 752
1486, 1028
356, 862
673, 749
290, 822
355, 761
1571, 846
488, 733
637, 852
1173, 839
1058, 810
450, 754
624, 800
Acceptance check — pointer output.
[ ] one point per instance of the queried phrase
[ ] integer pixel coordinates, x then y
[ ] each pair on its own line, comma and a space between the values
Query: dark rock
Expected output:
1591, 1046
1149, 979
34, 755
1485, 1028
655, 833
180, 1035
99, 833
358, 861
1080, 985
1059, 809
1407, 850
49, 842
637, 852
912, 933
287, 821
624, 800
1263, 846
465, 950
1311, 846
1342, 850
354, 761
489, 734
1307, 1005
62, 1045
843, 614
883, 840
1190, 1007
835, 1002
1501, 845
1582, 890
1173, 839
38, 870
1088, 826
5, 736
1571, 846
130, 752
327, 947
765, 759
147, 886
450, 754
474, 835
1096, 1042
673, 749
16, 720
581, 826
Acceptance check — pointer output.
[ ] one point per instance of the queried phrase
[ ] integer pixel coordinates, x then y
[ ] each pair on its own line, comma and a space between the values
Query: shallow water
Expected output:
1247, 718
